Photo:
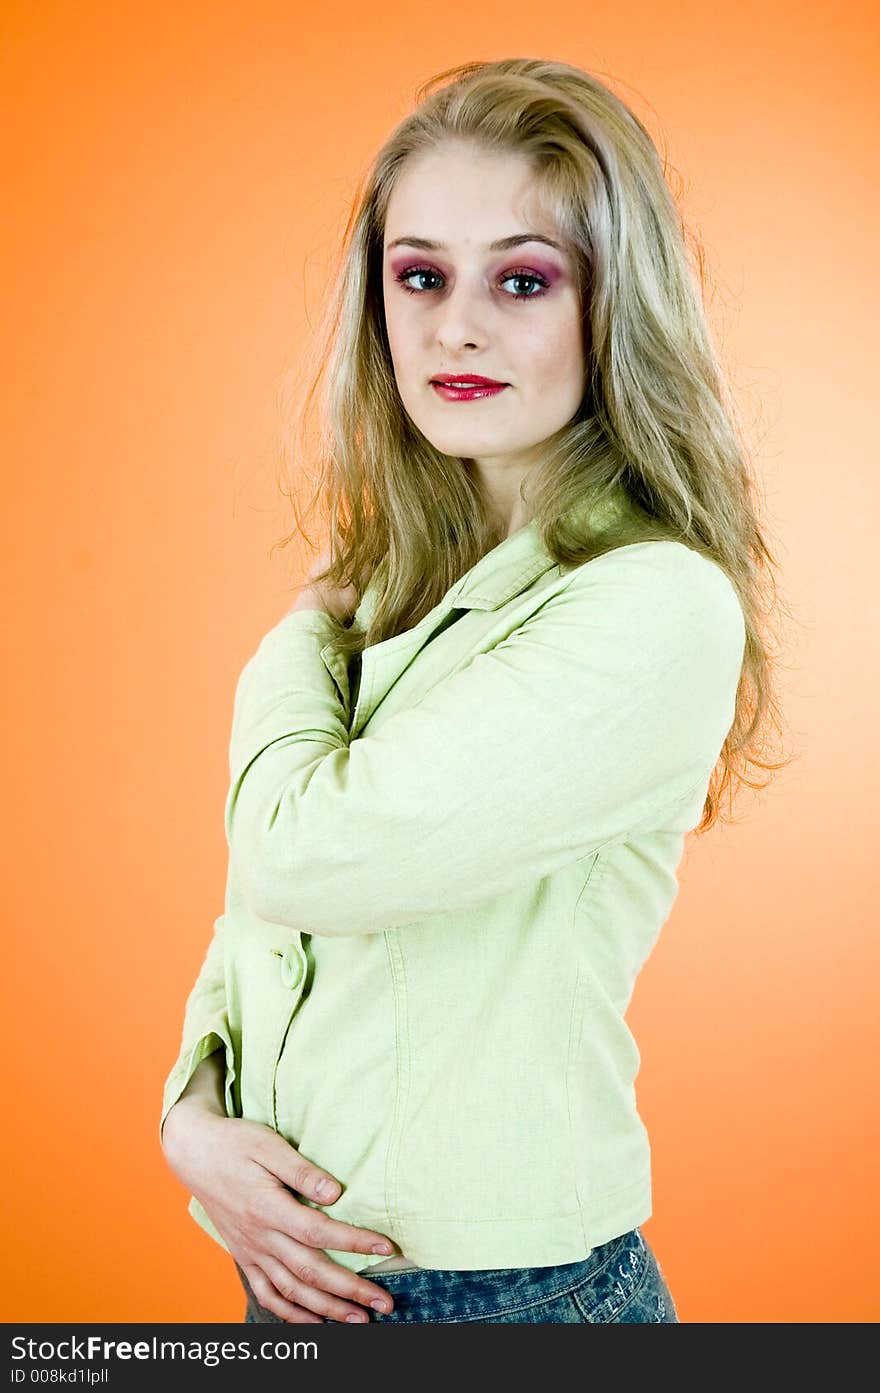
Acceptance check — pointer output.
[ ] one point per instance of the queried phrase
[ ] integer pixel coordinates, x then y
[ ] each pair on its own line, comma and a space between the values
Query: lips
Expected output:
468, 386
468, 391
466, 379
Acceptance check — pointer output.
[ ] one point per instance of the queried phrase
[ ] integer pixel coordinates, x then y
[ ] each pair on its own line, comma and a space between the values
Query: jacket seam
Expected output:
576, 1016
402, 1059
532, 1218
569, 1065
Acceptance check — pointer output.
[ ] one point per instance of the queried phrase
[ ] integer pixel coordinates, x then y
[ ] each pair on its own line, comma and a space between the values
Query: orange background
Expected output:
176, 180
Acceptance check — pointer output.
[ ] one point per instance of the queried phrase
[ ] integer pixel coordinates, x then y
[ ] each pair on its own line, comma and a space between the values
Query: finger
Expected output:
318, 1230
317, 1185
285, 1162
273, 1301
308, 1224
302, 1282
313, 1268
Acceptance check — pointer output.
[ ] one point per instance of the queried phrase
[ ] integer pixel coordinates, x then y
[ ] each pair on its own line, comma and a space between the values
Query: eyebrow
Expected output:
502, 245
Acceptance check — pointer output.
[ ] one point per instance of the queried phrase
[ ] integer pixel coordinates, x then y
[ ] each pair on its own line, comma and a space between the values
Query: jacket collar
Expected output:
521, 558
517, 561
505, 571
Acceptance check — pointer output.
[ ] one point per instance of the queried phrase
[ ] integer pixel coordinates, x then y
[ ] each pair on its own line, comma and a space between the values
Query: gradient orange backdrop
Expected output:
176, 180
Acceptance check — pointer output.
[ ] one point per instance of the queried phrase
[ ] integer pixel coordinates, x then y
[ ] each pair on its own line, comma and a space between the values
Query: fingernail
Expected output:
325, 1188
380, 1306
359, 1319
381, 1248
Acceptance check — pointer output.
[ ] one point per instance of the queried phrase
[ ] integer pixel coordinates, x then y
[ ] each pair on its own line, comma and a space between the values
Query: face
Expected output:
512, 314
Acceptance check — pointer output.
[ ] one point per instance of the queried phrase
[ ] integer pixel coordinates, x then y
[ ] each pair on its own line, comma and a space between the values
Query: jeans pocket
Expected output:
628, 1288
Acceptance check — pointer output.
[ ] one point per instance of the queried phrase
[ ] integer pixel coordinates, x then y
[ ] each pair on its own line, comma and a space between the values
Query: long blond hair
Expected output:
655, 420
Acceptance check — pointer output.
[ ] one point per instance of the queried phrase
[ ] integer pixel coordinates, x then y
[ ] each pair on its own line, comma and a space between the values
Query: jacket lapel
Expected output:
505, 571
498, 577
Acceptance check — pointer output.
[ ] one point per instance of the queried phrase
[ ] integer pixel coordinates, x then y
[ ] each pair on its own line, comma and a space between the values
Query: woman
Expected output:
464, 764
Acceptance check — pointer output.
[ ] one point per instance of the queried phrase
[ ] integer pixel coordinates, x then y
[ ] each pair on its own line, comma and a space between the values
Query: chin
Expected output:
467, 449
452, 442
462, 440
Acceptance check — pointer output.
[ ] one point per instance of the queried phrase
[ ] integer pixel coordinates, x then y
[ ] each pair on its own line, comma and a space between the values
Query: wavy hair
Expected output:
655, 420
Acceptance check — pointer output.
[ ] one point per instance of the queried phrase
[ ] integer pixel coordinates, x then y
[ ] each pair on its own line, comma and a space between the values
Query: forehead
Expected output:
462, 195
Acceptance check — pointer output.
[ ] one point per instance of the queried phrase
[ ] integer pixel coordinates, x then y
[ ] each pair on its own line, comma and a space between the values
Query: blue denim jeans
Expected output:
620, 1282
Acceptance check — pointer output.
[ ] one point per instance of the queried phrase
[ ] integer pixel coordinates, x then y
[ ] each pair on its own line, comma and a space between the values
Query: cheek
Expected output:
398, 353
400, 338
557, 358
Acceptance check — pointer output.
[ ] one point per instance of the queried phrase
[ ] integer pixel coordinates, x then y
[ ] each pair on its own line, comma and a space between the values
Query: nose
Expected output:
461, 320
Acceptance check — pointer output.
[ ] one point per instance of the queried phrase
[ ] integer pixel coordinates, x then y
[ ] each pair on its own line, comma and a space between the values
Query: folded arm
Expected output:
608, 704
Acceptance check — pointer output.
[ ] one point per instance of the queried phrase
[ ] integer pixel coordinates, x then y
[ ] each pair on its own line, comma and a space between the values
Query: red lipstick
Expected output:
465, 386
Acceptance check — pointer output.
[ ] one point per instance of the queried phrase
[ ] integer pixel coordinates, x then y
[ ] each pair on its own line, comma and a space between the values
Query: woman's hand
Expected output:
340, 602
243, 1173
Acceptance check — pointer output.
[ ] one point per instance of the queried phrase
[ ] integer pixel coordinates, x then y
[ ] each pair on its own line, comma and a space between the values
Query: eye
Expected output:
403, 276
521, 275
532, 276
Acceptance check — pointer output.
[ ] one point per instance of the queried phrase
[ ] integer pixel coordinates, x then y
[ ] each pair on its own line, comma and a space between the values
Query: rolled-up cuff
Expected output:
207, 1043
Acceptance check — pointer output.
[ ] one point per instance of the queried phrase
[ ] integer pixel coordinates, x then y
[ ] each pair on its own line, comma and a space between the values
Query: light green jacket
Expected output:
440, 894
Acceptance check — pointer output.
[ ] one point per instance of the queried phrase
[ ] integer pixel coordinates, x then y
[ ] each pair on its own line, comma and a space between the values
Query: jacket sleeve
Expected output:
205, 1026
606, 706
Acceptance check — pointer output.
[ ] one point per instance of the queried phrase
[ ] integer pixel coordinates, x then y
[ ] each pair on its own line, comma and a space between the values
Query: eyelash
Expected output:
403, 276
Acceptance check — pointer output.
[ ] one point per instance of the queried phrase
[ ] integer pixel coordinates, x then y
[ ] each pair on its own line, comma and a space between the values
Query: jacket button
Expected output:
291, 967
